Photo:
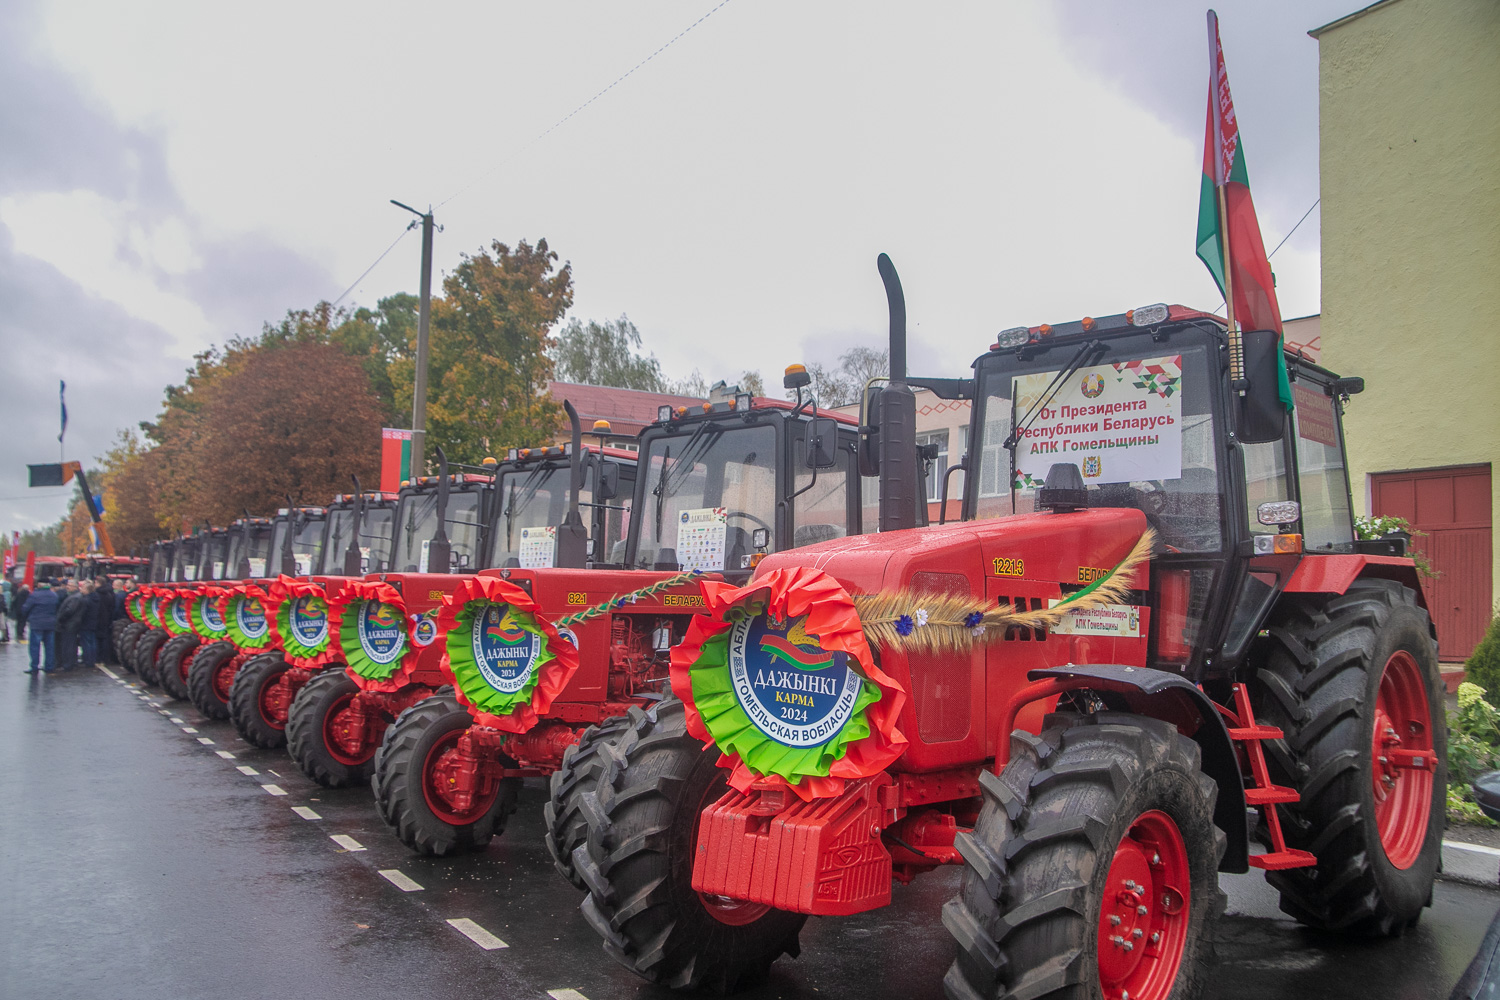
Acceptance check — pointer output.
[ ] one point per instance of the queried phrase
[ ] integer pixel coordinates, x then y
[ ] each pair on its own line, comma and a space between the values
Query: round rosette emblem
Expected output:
204, 611
508, 662
152, 606
299, 621
779, 676
135, 604
174, 612
245, 618
369, 618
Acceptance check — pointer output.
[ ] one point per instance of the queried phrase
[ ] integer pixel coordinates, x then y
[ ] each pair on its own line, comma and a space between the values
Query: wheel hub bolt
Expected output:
1137, 933
1128, 946
1141, 909
1116, 940
1114, 918
1156, 859
1155, 936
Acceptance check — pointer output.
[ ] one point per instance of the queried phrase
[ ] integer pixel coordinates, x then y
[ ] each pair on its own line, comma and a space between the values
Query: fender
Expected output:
1333, 573
1172, 698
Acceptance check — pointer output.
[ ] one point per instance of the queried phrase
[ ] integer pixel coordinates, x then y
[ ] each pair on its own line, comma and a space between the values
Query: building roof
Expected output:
627, 410
1316, 32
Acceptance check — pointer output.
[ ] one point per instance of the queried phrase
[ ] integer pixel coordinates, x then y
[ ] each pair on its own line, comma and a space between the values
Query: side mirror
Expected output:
1262, 416
1346, 387
869, 432
609, 481
822, 443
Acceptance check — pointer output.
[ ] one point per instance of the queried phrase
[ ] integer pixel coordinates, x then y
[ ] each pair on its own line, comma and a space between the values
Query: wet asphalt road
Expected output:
144, 856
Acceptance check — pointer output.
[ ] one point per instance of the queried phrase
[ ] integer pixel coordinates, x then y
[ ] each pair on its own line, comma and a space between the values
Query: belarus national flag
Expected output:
1254, 306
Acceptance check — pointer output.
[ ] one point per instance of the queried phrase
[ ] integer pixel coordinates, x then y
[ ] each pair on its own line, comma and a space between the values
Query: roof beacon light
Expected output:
796, 377
1014, 337
664, 412
1152, 315
602, 426
489, 460
707, 407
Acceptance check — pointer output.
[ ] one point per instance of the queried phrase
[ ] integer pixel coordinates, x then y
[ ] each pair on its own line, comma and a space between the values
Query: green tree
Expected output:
605, 354
488, 367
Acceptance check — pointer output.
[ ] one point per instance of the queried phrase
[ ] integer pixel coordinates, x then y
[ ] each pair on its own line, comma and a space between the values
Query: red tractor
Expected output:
226, 643
1155, 617
387, 625
544, 658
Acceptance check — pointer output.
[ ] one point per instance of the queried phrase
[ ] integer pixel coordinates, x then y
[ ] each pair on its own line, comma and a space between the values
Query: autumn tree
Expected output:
488, 367
605, 354
128, 483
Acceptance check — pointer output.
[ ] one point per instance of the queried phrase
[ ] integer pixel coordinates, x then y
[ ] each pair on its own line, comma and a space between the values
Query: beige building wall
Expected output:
1409, 104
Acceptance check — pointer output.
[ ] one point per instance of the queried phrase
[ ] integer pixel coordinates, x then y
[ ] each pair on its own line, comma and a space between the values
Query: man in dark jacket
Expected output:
69, 623
40, 612
104, 603
88, 623
17, 602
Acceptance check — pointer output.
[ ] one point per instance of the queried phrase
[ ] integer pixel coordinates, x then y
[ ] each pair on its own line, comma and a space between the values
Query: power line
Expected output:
1283, 239
564, 119
382, 257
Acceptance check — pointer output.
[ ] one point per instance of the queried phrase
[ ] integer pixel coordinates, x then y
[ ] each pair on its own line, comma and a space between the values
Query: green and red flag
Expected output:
1230, 225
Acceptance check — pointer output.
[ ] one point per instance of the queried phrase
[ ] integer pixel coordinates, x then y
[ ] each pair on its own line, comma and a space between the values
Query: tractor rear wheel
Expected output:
1353, 683
207, 686
319, 735
146, 649
410, 784
173, 662
247, 701
577, 777
125, 644
637, 863
1093, 869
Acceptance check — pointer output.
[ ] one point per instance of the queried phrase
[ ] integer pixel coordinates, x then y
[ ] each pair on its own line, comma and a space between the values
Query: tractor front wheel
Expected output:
125, 638
173, 662
415, 777
326, 737
1093, 869
209, 679
249, 706
144, 656
578, 776
637, 863
1353, 683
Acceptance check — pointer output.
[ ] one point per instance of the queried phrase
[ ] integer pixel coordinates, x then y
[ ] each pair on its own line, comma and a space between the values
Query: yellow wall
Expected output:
1409, 102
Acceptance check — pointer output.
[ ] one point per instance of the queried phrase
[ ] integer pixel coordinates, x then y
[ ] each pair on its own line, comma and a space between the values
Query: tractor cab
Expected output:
249, 548
296, 541
532, 504
461, 510
95, 566
161, 560
213, 554
185, 558
722, 485
370, 516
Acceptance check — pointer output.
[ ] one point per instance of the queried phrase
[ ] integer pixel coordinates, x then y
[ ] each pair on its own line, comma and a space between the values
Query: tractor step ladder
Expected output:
1263, 794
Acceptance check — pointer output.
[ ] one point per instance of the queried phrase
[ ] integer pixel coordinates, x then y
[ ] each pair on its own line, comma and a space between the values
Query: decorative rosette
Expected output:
175, 612
206, 614
369, 621
135, 604
152, 605
299, 621
245, 609
508, 662
779, 676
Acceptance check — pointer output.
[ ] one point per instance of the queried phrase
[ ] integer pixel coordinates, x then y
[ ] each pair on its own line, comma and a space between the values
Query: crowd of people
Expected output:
69, 622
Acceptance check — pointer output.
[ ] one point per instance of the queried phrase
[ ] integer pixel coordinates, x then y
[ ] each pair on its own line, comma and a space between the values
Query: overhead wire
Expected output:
565, 118
1283, 240
382, 257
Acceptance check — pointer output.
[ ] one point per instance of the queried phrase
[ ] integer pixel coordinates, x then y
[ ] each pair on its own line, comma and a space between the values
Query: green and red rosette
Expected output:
299, 622
372, 629
175, 615
778, 675
246, 609
151, 605
508, 662
135, 604
205, 614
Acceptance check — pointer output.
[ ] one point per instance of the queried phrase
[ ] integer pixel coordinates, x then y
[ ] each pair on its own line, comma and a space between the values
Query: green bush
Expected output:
1473, 749
1483, 666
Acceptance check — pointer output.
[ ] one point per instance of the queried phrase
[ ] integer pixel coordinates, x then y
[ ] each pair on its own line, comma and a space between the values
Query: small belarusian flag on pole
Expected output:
1229, 241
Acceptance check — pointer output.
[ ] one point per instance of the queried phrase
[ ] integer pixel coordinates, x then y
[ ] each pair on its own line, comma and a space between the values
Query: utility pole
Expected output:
419, 387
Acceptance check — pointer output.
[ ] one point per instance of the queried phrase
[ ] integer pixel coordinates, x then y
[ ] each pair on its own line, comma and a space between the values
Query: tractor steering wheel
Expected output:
749, 517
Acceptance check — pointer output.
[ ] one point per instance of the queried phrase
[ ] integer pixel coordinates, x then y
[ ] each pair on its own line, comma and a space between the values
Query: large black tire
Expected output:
125, 644
250, 683
1320, 676
1037, 872
638, 864
176, 654
146, 649
582, 764
307, 732
399, 782
201, 688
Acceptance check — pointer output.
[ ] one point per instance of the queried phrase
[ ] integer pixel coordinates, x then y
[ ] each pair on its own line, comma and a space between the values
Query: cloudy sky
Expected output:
175, 174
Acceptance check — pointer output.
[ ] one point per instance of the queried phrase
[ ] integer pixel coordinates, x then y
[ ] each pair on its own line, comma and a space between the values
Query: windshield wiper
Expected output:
1019, 427
529, 489
665, 485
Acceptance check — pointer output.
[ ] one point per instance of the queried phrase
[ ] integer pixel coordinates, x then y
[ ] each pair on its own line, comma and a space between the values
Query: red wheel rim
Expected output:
342, 728
725, 909
273, 702
1147, 904
224, 679
439, 778
1403, 759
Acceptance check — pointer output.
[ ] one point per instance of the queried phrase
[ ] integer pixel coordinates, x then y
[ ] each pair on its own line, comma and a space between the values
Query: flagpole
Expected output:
1236, 345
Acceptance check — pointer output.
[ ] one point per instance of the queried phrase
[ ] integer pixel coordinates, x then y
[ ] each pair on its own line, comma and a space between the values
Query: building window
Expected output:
939, 467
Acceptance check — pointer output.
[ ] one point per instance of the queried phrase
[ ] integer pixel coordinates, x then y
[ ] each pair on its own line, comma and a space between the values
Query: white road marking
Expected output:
273, 772
189, 730
175, 720
110, 673
246, 769
274, 789
163, 711
477, 934
566, 995
306, 812
205, 741
401, 881
225, 754
347, 842
1476, 848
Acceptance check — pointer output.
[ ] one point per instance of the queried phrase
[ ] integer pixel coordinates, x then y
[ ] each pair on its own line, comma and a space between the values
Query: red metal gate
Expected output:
1453, 507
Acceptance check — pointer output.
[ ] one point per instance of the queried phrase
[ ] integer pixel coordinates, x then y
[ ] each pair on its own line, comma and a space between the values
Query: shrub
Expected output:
1473, 749
1483, 665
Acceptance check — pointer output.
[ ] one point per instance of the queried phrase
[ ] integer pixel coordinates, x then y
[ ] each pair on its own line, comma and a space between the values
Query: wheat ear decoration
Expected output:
924, 621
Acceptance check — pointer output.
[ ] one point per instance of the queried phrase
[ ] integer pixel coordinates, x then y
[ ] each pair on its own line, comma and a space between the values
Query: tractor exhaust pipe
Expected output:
898, 418
352, 556
439, 552
572, 536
